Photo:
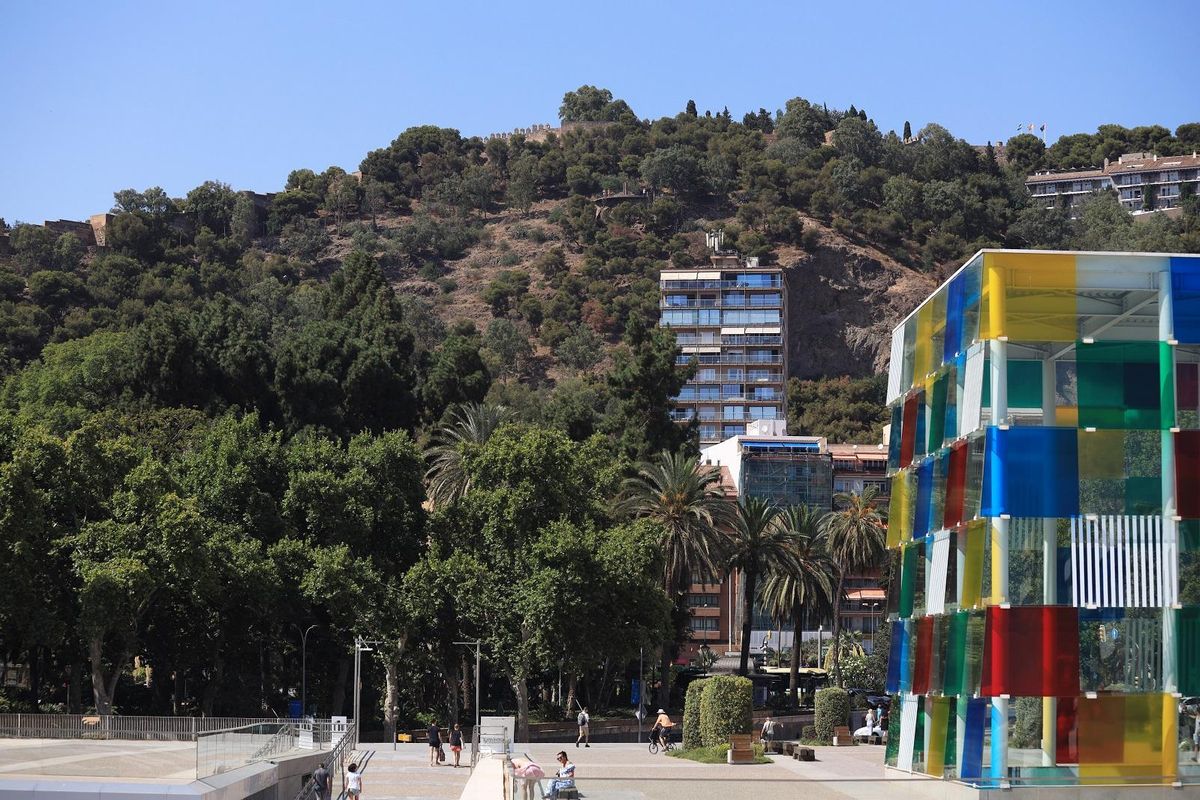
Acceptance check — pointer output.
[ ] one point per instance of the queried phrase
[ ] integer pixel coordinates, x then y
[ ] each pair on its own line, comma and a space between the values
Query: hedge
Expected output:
726, 705
832, 711
691, 714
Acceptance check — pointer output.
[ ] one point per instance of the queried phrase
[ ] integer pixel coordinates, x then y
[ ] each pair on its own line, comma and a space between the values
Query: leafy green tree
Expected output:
1026, 153
506, 349
506, 290
582, 350
68, 252
33, 247
590, 104
842, 409
643, 380
856, 533
212, 204
676, 168
691, 108
800, 587
456, 374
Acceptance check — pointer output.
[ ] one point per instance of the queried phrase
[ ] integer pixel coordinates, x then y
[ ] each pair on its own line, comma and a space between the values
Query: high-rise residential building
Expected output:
731, 318
1044, 528
1142, 181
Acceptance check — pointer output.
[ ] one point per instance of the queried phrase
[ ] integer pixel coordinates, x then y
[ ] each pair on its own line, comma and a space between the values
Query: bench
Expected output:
802, 753
842, 737
741, 749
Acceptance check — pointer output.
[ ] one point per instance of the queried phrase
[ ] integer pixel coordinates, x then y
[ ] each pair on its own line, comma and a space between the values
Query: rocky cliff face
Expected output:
843, 302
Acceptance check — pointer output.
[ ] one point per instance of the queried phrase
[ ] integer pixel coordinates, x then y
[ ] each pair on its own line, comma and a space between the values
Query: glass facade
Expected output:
1045, 465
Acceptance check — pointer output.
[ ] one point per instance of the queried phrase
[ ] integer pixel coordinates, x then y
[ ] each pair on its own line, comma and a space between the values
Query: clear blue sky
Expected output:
103, 96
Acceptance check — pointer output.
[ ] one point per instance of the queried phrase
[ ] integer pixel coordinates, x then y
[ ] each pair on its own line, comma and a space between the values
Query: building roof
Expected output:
1055, 177
861, 452
866, 594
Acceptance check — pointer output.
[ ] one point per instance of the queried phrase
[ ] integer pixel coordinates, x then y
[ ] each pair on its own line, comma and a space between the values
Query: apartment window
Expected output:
734, 430
708, 432
672, 317
763, 412
766, 299
710, 316
709, 375
706, 623
702, 577
1169, 191
702, 601
1173, 175
763, 356
734, 412
755, 279
709, 393
677, 300
708, 413
735, 374
764, 393
751, 317
734, 299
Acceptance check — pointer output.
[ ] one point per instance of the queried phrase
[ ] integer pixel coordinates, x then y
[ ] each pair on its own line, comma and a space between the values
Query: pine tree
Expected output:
691, 108
907, 130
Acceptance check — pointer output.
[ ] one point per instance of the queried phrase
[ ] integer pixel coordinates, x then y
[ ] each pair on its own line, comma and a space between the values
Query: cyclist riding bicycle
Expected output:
662, 728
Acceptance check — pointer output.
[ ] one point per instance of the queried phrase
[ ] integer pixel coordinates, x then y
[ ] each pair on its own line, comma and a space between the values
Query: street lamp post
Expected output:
361, 646
820, 629
641, 693
304, 670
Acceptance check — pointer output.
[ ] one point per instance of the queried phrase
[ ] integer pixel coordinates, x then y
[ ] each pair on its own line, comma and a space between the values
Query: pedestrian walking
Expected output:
321, 779
435, 743
585, 728
456, 743
354, 783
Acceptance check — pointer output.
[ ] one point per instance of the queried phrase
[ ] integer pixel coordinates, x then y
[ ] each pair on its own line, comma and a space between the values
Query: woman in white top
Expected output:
353, 781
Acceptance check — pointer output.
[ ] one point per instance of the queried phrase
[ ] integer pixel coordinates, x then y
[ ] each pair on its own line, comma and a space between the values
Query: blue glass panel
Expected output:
1031, 472
905, 661
1185, 298
972, 754
894, 436
952, 345
924, 498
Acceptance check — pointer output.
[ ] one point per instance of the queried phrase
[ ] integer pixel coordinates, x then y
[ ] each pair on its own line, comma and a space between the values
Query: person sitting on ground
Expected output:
564, 778
353, 782
664, 725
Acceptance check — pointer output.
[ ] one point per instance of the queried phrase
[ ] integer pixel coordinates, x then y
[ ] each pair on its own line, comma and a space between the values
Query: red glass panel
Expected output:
1187, 385
920, 680
1187, 473
1067, 741
1032, 651
956, 479
908, 431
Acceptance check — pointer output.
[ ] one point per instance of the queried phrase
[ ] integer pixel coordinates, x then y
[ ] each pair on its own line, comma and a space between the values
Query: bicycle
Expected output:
656, 746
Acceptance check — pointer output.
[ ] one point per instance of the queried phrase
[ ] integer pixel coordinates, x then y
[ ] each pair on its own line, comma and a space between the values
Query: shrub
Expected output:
808, 732
725, 708
832, 711
691, 714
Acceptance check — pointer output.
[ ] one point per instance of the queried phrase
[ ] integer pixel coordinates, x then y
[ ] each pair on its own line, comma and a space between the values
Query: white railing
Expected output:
95, 726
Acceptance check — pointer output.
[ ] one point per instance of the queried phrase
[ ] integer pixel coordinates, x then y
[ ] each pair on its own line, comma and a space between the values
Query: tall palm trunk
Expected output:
794, 668
837, 630
750, 579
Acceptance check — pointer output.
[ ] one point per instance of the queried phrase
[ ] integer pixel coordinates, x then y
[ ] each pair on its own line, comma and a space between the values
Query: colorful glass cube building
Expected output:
1044, 526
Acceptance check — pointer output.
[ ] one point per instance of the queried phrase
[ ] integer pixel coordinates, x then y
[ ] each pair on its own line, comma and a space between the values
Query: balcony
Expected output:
666, 284
705, 359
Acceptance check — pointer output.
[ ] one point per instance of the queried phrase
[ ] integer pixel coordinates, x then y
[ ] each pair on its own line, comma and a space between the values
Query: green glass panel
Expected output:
893, 732
1120, 472
908, 573
956, 651
1188, 649
937, 664
1121, 385
919, 601
1024, 384
937, 411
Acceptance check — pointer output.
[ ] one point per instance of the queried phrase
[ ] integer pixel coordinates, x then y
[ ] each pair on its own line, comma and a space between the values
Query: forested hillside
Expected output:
218, 417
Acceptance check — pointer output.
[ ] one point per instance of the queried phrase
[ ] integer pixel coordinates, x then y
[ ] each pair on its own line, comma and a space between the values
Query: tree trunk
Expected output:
601, 700
338, 700
209, 698
391, 681
837, 632
794, 668
100, 694
750, 579
522, 692
664, 687
35, 677
569, 702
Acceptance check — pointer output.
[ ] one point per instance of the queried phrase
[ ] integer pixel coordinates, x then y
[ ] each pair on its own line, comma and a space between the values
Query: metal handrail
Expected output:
337, 757
269, 748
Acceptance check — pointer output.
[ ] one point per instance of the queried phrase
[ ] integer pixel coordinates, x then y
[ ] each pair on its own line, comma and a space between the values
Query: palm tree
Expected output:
465, 425
686, 499
758, 545
803, 586
857, 540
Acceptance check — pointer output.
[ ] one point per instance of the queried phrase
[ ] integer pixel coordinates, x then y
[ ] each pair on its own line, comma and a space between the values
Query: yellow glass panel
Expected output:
1032, 297
998, 544
972, 577
900, 509
1127, 738
992, 296
923, 358
1066, 416
1101, 454
935, 758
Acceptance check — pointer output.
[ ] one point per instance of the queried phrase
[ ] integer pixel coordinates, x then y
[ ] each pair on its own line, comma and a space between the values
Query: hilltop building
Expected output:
1143, 182
1044, 528
731, 319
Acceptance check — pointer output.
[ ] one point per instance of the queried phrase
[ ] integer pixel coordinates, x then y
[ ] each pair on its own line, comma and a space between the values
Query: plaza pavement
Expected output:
88, 758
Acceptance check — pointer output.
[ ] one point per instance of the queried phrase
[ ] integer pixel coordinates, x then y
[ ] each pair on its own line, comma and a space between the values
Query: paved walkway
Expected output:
87, 758
405, 774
